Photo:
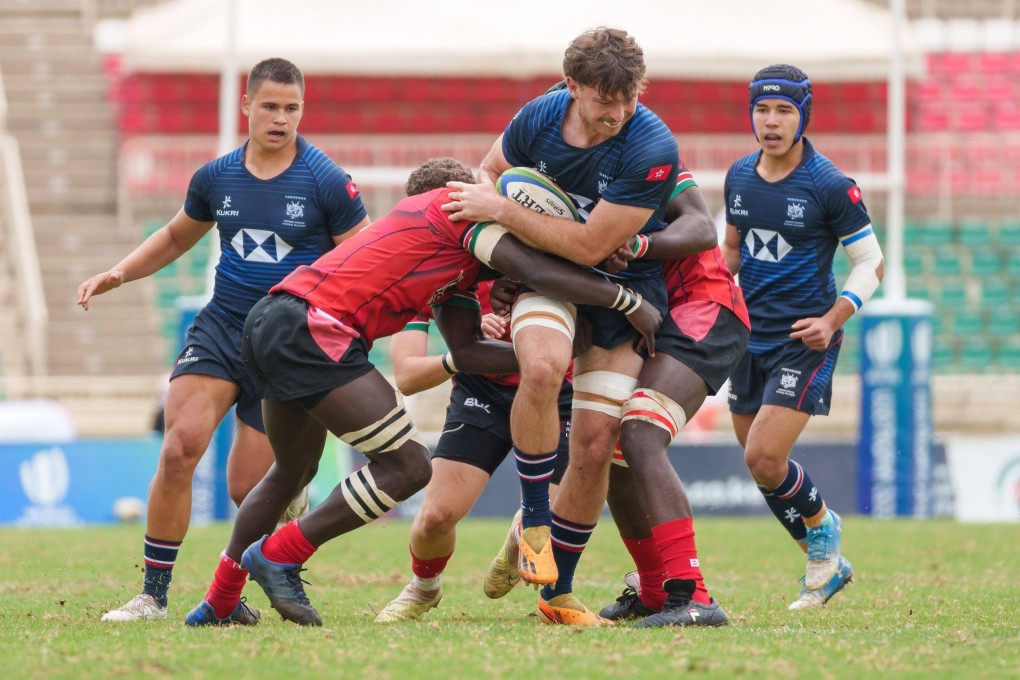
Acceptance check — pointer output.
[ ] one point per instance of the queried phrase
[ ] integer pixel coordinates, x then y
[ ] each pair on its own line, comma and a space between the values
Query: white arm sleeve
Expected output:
866, 255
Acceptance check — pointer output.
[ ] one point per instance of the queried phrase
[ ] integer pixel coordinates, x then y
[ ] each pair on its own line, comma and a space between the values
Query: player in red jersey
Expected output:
698, 345
306, 345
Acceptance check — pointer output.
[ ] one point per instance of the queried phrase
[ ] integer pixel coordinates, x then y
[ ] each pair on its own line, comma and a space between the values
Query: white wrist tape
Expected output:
481, 240
866, 255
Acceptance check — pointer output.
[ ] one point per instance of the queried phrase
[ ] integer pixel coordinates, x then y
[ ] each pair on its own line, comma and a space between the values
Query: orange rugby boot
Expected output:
535, 560
567, 610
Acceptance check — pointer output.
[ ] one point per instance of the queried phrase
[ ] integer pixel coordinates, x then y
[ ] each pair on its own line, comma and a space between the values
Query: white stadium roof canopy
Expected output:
831, 40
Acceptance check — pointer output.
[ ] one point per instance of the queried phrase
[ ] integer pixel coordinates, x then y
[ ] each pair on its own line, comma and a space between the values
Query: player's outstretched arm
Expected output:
690, 229
414, 369
564, 281
470, 350
164, 246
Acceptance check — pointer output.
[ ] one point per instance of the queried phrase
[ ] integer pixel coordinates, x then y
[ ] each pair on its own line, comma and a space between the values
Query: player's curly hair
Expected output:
435, 173
275, 70
607, 59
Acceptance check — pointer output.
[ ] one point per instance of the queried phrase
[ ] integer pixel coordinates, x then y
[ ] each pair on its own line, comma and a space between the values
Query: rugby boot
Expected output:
814, 599
567, 610
628, 606
535, 561
203, 615
282, 584
823, 551
142, 607
410, 604
681, 610
503, 575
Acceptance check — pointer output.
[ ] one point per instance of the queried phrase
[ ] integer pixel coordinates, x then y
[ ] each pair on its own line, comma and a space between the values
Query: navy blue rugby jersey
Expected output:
789, 231
637, 167
269, 227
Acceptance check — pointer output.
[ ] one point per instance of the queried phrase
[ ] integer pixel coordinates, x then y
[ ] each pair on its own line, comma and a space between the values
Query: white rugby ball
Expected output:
537, 192
128, 509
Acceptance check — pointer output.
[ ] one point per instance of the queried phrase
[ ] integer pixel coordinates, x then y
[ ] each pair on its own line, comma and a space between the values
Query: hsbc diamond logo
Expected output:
766, 245
259, 245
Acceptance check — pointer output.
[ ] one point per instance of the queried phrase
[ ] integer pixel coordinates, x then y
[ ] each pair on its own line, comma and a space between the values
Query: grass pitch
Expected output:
932, 599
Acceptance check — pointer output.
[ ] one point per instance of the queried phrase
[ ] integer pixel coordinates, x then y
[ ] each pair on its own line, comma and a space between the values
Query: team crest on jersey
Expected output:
794, 212
440, 292
295, 211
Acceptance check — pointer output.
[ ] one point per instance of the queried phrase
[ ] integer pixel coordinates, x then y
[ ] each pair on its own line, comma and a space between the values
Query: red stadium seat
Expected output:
419, 90
948, 64
1006, 116
1000, 88
933, 120
927, 92
991, 63
965, 89
971, 117
132, 119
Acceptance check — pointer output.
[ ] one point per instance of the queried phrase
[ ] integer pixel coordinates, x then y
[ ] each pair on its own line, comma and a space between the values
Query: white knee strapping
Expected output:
603, 391
483, 238
655, 408
542, 311
386, 434
365, 497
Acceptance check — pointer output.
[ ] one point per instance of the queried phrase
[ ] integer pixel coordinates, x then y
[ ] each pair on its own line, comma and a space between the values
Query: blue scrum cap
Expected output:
782, 81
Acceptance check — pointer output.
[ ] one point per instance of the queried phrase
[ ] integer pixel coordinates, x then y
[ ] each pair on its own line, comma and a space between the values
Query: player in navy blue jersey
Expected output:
788, 208
618, 161
278, 202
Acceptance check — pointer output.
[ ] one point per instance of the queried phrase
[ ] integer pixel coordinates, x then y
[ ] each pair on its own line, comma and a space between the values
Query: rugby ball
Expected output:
537, 192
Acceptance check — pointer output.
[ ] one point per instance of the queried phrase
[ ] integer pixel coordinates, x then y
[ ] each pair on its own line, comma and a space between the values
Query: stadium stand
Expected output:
103, 175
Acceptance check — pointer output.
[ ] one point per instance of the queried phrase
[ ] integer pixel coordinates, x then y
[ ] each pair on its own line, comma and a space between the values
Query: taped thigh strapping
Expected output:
654, 408
542, 311
365, 497
386, 434
603, 391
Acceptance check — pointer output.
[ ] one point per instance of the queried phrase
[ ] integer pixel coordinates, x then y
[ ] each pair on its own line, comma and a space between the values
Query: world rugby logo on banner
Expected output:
885, 344
45, 480
884, 347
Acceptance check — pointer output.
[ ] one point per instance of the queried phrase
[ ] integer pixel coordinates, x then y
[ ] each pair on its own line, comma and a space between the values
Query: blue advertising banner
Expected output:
74, 483
718, 483
895, 464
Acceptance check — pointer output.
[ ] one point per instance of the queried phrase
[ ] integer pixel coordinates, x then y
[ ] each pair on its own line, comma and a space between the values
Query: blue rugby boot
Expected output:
203, 615
282, 584
823, 551
813, 599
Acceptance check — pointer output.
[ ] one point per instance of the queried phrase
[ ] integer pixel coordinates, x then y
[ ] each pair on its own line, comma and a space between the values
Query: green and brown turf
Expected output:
932, 599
